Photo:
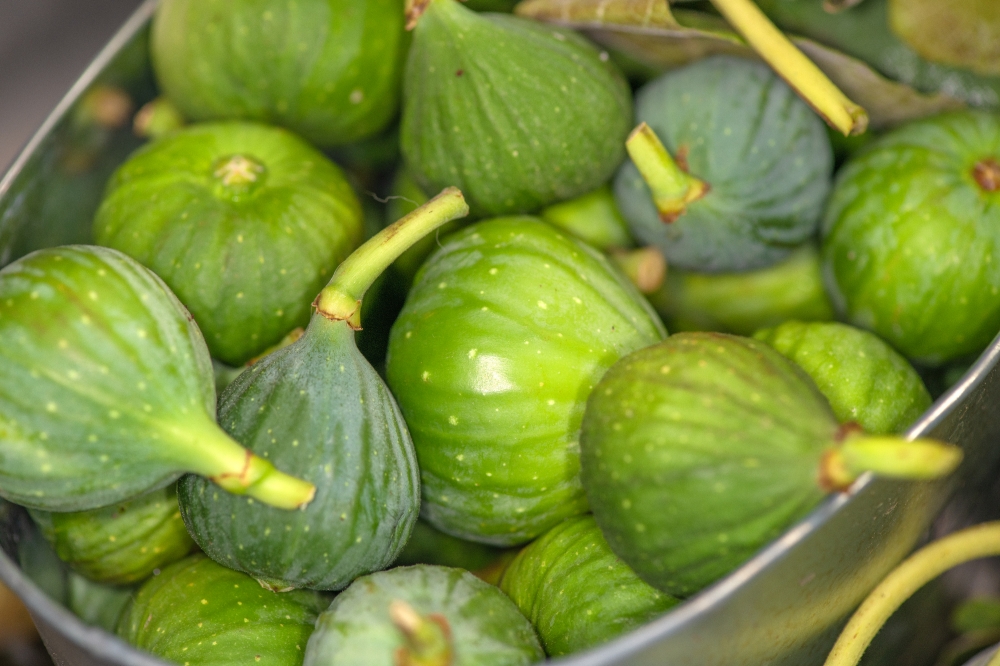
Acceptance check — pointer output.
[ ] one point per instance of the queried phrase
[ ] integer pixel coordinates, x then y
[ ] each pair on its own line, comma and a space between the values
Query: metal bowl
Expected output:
783, 607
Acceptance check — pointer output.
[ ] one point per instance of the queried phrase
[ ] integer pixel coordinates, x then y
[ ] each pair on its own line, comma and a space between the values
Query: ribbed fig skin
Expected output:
329, 70
122, 543
911, 241
699, 450
486, 628
316, 407
514, 113
507, 328
246, 260
866, 381
763, 152
202, 614
576, 591
102, 369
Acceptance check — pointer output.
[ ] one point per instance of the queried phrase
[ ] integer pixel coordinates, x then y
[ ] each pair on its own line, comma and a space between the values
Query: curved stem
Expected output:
672, 187
920, 568
893, 457
340, 300
793, 66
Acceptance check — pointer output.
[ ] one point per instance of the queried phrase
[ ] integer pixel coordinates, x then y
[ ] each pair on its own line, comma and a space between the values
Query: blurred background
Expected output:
44, 47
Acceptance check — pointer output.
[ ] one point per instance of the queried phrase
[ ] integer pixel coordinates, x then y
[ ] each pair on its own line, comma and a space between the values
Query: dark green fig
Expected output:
592, 217
742, 303
318, 407
422, 616
244, 222
198, 613
107, 389
751, 173
698, 451
96, 604
327, 69
430, 546
576, 592
866, 381
508, 326
122, 543
543, 122
911, 237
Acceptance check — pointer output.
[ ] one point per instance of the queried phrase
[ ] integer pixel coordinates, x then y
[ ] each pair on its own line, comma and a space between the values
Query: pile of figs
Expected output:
367, 360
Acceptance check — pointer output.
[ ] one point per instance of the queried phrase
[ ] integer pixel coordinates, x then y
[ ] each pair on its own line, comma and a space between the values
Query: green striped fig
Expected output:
198, 613
911, 237
508, 326
107, 390
760, 159
701, 449
319, 408
329, 70
576, 592
244, 222
436, 616
122, 543
543, 123
865, 380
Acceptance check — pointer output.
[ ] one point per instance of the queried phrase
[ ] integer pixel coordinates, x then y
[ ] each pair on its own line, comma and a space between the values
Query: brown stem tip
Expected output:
987, 174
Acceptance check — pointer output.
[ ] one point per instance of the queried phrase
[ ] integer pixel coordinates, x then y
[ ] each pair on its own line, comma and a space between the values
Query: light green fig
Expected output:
545, 122
107, 389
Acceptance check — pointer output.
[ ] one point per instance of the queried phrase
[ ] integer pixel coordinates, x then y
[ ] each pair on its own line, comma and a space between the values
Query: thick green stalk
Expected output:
340, 300
672, 187
793, 66
893, 457
920, 568
235, 469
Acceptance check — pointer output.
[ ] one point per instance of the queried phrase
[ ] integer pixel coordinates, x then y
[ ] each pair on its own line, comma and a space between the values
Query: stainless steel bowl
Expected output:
783, 607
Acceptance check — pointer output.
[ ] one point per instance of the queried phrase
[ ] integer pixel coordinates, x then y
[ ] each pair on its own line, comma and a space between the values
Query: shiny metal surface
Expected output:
784, 607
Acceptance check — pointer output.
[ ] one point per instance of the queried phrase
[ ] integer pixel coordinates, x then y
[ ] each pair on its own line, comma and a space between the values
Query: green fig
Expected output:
744, 302
243, 221
507, 328
422, 615
701, 449
911, 237
592, 217
516, 114
326, 69
319, 408
198, 613
961, 33
576, 592
122, 543
107, 389
741, 176
430, 546
866, 381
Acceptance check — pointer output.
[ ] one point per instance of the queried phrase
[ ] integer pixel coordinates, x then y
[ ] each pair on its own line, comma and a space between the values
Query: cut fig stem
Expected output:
672, 187
645, 267
893, 457
794, 67
240, 472
428, 639
920, 568
340, 300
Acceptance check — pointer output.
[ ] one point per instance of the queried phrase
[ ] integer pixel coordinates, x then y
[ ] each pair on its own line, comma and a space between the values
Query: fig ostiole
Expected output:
318, 407
699, 450
107, 390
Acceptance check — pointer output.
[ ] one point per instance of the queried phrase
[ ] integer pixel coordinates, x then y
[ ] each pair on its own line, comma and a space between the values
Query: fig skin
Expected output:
516, 114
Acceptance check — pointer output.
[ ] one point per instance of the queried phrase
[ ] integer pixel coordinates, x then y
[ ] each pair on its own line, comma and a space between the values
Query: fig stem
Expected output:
239, 471
671, 186
645, 267
893, 457
428, 639
157, 118
340, 300
794, 67
913, 573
